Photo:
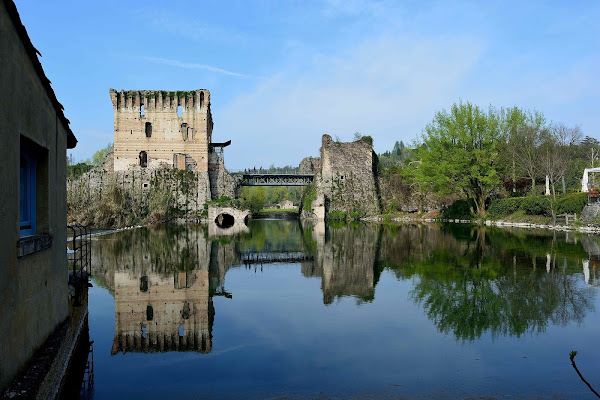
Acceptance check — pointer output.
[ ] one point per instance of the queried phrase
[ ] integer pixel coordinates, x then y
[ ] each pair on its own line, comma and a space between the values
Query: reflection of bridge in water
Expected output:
273, 257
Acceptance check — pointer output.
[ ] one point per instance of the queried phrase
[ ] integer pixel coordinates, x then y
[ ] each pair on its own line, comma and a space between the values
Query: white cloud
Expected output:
387, 87
186, 65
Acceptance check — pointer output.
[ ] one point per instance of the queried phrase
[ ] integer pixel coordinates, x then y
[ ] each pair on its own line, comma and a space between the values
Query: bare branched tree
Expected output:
525, 146
521, 132
557, 145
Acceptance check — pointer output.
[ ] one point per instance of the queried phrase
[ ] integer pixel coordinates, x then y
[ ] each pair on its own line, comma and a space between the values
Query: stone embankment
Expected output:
589, 228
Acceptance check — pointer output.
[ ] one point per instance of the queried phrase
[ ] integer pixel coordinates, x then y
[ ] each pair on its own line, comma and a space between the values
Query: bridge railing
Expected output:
259, 171
276, 180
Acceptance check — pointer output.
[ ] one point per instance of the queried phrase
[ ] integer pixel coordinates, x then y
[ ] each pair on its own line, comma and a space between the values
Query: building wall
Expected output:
33, 288
168, 137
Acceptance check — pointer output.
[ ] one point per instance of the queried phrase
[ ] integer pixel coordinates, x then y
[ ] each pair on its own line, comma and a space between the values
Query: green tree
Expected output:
254, 198
101, 154
521, 132
460, 152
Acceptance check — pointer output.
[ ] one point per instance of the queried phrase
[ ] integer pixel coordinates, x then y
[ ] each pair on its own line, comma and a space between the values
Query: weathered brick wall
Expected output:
189, 134
346, 178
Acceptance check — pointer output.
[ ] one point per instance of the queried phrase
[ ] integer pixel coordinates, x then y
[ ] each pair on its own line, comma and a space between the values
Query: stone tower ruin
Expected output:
160, 129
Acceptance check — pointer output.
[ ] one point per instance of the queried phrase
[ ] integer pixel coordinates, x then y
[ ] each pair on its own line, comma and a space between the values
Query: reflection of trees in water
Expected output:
469, 280
164, 250
276, 236
476, 280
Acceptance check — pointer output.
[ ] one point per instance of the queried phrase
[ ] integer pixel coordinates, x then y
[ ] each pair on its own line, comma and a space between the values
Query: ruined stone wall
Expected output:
100, 197
170, 134
310, 165
347, 178
222, 183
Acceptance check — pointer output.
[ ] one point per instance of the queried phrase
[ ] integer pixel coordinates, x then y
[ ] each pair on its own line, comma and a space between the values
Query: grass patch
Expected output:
520, 216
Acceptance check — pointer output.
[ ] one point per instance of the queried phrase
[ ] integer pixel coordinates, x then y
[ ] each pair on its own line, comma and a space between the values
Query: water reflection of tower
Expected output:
163, 313
345, 261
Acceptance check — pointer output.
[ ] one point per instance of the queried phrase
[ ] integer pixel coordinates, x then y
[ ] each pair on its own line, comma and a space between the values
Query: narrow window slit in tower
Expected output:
148, 129
142, 112
184, 131
143, 159
179, 112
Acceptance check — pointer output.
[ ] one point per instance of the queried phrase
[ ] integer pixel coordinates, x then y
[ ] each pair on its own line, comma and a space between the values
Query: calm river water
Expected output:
292, 310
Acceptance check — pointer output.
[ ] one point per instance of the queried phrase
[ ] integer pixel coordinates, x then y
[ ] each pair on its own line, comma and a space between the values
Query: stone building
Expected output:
35, 136
156, 130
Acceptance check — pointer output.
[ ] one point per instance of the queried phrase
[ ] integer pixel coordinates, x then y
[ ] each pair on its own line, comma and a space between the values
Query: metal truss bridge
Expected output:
253, 179
259, 258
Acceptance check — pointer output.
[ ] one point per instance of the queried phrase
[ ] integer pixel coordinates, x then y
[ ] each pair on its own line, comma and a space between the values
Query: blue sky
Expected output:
282, 73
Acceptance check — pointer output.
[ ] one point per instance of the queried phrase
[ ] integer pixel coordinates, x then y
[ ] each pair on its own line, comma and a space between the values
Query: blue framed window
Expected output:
27, 192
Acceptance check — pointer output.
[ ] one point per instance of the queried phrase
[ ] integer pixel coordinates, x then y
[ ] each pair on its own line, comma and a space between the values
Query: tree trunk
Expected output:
564, 187
514, 184
480, 205
533, 186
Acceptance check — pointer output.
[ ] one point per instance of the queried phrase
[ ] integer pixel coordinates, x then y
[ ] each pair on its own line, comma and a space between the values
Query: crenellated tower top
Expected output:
160, 100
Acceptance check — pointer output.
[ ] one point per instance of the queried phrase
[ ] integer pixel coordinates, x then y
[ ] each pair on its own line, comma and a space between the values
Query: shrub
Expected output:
572, 203
460, 209
504, 207
536, 205
309, 195
337, 216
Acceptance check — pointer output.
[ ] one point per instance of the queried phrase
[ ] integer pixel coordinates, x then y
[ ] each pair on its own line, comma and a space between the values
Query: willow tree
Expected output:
461, 152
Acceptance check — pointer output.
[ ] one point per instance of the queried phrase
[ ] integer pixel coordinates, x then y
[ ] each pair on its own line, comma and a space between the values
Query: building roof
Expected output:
32, 52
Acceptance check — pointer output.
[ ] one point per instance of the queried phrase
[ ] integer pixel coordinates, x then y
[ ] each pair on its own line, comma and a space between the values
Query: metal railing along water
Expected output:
79, 255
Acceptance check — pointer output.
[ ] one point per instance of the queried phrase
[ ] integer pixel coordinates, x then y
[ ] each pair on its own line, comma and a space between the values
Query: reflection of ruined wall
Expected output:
345, 261
157, 313
170, 134
161, 250
346, 177
162, 280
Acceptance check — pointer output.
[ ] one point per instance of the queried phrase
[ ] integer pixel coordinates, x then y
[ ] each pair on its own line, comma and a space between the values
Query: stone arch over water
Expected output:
225, 220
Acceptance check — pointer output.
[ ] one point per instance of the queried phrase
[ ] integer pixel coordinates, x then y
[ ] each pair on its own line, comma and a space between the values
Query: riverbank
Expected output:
44, 376
536, 222
277, 213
